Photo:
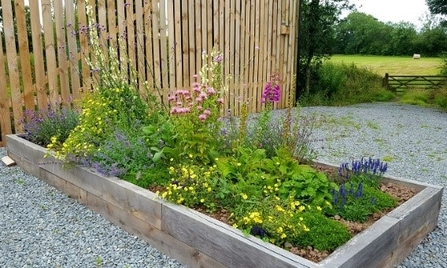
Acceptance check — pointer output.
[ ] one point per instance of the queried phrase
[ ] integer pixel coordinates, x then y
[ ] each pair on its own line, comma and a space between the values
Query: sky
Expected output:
393, 10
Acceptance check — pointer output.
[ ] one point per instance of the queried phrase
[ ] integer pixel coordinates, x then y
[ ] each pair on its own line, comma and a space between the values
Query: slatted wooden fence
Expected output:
164, 38
400, 83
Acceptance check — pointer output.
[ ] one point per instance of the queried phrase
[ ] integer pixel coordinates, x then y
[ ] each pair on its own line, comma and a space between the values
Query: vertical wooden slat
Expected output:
258, 60
148, 13
293, 45
172, 44
39, 66
5, 116
73, 55
163, 49
156, 43
25, 66
191, 40
112, 28
82, 17
263, 75
130, 31
62, 47
216, 25
11, 55
226, 54
198, 25
247, 49
185, 41
50, 51
178, 44
209, 30
139, 46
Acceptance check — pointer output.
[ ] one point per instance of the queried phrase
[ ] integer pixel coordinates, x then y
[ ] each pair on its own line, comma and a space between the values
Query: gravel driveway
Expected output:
41, 227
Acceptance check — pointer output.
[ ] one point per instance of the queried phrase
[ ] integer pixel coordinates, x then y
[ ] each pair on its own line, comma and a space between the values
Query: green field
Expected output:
393, 65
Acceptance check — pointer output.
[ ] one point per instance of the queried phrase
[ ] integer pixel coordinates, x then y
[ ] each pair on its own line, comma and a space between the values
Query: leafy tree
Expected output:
317, 36
437, 6
360, 33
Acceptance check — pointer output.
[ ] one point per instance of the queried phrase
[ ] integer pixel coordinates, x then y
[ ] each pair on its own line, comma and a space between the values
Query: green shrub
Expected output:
343, 84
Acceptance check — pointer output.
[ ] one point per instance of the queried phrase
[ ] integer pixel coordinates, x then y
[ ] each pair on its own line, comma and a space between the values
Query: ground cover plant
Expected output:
257, 172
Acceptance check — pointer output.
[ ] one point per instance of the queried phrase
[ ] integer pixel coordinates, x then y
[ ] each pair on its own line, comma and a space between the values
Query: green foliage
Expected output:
40, 126
274, 220
425, 97
103, 112
334, 82
324, 233
195, 113
360, 196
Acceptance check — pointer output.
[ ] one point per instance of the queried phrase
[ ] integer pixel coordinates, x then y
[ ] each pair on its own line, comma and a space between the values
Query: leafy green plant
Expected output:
195, 114
359, 196
324, 233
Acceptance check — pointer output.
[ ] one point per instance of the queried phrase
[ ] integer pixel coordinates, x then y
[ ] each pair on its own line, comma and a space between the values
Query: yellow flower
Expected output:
202, 200
280, 230
238, 164
279, 208
244, 196
318, 208
235, 225
283, 235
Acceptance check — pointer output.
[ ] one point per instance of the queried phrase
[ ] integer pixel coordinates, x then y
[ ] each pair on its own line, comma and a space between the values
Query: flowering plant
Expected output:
194, 115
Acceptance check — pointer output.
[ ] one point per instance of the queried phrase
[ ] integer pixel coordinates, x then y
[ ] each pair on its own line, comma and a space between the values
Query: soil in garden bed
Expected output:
402, 193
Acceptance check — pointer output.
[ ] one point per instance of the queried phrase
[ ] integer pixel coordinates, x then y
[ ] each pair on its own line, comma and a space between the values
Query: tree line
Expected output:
324, 32
360, 33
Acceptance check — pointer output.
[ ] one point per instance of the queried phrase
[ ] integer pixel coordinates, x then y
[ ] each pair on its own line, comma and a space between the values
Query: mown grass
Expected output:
392, 64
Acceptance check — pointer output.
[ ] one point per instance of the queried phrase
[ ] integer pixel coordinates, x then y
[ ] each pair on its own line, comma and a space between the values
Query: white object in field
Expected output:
416, 56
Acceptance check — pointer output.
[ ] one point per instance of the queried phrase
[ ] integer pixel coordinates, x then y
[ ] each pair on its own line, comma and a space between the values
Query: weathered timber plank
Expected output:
139, 201
227, 245
367, 248
163, 242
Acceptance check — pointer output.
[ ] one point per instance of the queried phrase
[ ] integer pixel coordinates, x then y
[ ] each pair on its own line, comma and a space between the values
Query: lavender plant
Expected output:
40, 126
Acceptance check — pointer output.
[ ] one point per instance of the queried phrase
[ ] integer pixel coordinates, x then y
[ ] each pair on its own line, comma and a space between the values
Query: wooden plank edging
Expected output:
200, 241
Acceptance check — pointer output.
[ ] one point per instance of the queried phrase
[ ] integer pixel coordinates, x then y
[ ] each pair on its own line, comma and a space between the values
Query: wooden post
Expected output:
385, 81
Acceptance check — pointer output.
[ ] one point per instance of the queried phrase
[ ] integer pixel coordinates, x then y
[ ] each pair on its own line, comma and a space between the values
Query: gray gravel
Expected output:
414, 141
41, 227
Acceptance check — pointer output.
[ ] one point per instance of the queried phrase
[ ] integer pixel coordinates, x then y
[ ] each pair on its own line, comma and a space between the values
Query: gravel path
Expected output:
41, 227
411, 138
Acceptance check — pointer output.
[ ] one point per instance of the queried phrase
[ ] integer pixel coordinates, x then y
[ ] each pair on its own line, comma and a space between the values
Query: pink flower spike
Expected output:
207, 112
171, 98
202, 95
220, 100
174, 110
199, 100
179, 103
210, 91
202, 117
195, 85
199, 108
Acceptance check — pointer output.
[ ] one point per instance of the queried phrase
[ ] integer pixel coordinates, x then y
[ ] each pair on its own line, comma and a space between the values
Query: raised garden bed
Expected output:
197, 240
